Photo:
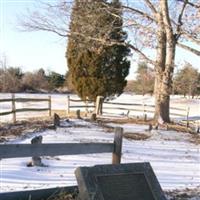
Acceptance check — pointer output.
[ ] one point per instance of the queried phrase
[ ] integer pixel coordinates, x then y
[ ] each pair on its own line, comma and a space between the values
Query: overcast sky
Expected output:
33, 50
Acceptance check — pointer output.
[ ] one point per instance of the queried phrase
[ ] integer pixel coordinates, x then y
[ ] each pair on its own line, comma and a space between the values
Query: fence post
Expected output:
68, 105
99, 105
86, 104
116, 156
13, 108
188, 111
49, 106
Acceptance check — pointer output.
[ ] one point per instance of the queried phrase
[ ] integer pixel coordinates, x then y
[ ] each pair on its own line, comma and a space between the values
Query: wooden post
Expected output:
116, 156
144, 112
188, 110
68, 105
86, 104
99, 105
13, 108
49, 106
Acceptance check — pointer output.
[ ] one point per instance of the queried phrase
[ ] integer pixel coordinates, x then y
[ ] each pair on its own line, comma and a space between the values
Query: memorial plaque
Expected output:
135, 181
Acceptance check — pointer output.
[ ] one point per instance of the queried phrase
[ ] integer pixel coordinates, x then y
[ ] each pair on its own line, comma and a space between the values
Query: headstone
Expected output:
93, 117
135, 181
78, 114
56, 120
36, 160
150, 127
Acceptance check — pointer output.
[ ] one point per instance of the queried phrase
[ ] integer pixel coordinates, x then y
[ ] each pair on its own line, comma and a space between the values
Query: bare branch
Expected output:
180, 23
141, 54
191, 37
139, 12
192, 50
151, 6
192, 4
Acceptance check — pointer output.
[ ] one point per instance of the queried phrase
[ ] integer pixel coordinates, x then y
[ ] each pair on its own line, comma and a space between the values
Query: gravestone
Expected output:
36, 160
56, 120
135, 181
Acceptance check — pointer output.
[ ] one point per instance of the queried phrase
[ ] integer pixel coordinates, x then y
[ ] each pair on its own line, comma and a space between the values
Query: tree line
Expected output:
98, 47
12, 79
186, 81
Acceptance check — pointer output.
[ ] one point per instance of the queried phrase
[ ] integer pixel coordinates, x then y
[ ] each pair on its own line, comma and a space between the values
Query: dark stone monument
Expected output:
56, 120
135, 181
36, 160
78, 114
93, 117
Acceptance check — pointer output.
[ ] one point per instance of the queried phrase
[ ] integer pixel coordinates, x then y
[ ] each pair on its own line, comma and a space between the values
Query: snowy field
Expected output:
59, 102
174, 158
173, 155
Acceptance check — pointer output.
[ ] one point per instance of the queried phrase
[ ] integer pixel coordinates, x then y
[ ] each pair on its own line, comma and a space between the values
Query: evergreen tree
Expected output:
186, 81
97, 68
144, 80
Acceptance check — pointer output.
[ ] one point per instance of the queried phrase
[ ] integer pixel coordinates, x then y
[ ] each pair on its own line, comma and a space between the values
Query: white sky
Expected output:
34, 50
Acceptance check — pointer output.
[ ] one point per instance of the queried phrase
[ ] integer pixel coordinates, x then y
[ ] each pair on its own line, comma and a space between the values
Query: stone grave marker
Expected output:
134, 181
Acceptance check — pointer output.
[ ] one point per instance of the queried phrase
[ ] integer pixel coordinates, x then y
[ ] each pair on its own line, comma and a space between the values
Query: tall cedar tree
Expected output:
97, 69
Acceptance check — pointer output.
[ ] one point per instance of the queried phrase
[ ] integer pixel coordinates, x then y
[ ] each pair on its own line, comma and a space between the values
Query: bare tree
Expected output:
160, 25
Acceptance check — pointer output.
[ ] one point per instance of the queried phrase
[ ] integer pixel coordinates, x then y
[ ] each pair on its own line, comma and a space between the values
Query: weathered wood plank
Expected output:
84, 106
173, 108
123, 104
76, 100
31, 109
29, 150
130, 109
37, 194
116, 157
5, 100
29, 99
6, 113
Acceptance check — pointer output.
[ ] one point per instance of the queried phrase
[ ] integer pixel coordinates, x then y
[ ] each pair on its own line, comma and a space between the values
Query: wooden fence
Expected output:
29, 150
15, 110
53, 149
142, 108
83, 104
100, 107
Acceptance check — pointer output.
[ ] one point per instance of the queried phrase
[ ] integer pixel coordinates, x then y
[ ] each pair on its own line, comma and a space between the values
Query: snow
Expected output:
175, 160
173, 156
59, 102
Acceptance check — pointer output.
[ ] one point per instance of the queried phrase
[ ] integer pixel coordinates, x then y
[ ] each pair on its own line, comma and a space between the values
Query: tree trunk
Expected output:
165, 64
162, 99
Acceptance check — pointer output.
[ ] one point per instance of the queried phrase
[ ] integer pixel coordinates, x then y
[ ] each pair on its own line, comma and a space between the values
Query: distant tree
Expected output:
187, 81
159, 25
96, 69
10, 79
130, 86
55, 80
68, 82
145, 79
35, 81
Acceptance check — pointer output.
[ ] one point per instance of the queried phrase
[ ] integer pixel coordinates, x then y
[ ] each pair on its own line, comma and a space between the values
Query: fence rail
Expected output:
53, 149
144, 108
87, 104
30, 150
15, 110
100, 107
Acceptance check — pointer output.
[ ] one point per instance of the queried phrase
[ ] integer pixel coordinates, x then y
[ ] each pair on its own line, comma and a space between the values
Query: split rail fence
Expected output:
15, 110
106, 107
99, 107
142, 108
78, 103
53, 149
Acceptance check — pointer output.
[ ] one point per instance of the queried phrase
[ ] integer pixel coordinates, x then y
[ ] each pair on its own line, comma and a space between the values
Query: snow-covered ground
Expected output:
59, 102
174, 158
